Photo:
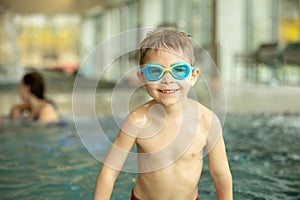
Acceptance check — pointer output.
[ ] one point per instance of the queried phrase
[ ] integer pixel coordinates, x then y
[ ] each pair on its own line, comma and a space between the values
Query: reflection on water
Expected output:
49, 162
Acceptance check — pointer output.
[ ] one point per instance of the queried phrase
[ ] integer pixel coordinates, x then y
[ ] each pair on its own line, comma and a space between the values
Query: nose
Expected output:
167, 78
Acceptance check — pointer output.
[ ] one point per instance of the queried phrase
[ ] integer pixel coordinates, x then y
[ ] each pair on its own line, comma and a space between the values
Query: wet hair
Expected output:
36, 83
170, 40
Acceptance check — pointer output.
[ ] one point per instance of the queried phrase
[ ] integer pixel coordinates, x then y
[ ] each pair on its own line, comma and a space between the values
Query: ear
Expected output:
141, 78
194, 76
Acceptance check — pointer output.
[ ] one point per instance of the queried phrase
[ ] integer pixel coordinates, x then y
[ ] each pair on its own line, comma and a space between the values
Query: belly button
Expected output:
193, 155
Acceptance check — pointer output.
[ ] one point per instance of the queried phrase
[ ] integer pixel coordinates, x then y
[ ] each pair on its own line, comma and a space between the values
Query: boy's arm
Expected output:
219, 170
113, 164
105, 183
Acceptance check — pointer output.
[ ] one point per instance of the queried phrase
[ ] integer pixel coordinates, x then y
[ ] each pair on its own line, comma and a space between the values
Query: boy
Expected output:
171, 130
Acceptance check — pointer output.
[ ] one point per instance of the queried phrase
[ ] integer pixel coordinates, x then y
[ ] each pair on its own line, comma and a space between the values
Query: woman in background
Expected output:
35, 106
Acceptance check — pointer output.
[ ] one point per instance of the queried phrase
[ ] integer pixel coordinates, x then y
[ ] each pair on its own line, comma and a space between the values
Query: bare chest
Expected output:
172, 141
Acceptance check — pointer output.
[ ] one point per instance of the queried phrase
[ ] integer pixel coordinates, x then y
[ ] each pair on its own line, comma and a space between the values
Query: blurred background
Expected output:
255, 44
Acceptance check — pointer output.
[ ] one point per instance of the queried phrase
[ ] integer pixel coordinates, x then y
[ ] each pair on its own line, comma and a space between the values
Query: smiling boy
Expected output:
171, 131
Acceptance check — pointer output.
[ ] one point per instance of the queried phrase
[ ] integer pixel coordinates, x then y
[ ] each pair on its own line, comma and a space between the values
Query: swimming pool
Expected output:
50, 162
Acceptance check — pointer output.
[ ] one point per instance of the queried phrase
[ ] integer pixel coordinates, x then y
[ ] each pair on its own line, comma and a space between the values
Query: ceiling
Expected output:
56, 6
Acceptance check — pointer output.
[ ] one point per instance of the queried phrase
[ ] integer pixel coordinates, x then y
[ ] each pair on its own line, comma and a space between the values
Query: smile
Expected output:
168, 91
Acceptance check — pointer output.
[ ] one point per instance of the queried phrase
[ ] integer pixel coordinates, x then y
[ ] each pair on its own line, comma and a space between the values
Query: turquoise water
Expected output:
50, 162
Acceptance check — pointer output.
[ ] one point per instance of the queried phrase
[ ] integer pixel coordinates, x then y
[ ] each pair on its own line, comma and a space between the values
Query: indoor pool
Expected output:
50, 162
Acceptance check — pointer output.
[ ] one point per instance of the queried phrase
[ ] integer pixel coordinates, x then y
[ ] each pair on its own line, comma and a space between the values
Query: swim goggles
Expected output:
179, 70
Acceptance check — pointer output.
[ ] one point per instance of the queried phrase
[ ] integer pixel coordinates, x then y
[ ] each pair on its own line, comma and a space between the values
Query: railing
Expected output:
273, 57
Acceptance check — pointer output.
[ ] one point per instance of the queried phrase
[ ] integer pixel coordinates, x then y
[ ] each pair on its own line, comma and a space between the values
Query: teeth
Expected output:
168, 91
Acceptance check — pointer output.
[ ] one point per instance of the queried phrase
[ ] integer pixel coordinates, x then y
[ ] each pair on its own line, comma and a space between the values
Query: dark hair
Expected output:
36, 83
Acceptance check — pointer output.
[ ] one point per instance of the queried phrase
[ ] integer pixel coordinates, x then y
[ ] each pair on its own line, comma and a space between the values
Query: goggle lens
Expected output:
154, 72
181, 71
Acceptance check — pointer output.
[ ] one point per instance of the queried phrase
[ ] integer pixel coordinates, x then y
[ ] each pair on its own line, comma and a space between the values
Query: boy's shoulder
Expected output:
141, 115
208, 117
204, 111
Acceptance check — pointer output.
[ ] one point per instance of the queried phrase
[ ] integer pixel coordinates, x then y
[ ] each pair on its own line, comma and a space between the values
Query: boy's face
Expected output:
167, 90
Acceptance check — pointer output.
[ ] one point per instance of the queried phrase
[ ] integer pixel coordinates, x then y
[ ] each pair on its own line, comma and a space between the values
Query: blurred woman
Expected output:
35, 106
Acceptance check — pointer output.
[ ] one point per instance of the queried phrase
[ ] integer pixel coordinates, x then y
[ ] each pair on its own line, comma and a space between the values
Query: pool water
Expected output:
50, 162
264, 155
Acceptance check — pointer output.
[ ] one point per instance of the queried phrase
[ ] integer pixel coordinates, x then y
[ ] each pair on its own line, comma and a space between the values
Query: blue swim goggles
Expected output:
179, 70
